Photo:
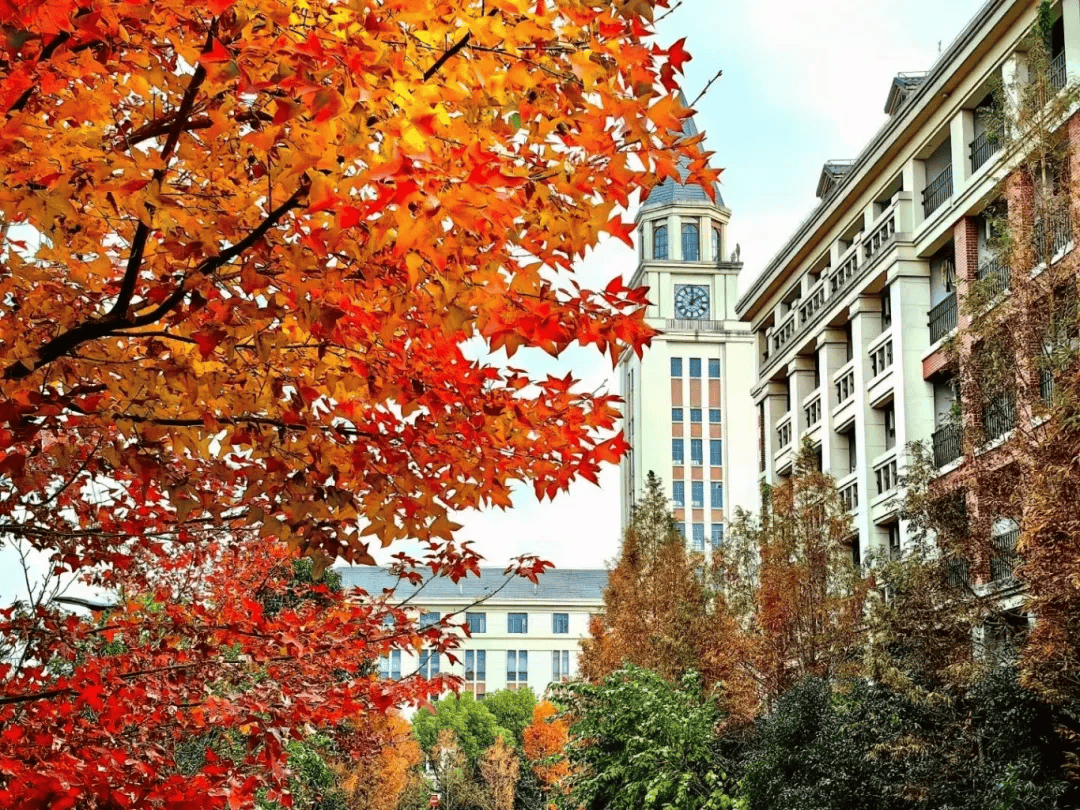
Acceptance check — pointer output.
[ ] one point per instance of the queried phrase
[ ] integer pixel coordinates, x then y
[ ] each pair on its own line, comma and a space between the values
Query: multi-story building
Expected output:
521, 634
687, 402
850, 317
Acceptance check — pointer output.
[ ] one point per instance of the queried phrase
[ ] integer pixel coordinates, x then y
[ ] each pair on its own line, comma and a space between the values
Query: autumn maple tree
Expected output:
245, 245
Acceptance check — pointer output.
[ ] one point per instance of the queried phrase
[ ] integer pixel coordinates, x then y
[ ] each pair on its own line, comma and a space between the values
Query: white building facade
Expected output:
688, 413
850, 317
522, 635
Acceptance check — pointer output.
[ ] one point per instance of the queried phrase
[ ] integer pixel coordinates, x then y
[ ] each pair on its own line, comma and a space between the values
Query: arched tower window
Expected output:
691, 246
716, 257
659, 242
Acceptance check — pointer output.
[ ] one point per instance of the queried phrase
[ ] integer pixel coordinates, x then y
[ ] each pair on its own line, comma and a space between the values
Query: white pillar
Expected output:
961, 134
1070, 17
915, 182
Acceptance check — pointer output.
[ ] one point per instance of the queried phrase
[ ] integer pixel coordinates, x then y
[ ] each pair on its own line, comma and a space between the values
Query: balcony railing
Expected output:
849, 496
937, 191
1056, 73
881, 358
948, 444
1052, 234
996, 276
1003, 556
959, 574
879, 238
844, 273
943, 318
885, 476
984, 147
785, 332
783, 433
815, 300
1046, 385
812, 410
692, 325
845, 387
998, 417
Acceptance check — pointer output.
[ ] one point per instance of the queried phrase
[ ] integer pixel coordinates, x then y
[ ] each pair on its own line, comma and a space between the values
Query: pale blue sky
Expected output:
804, 82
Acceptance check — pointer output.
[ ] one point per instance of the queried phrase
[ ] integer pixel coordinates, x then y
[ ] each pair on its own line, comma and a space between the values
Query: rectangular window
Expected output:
699, 536
429, 664
886, 309
714, 368
428, 619
560, 665
697, 452
695, 366
678, 494
716, 452
560, 622
517, 622
695, 415
676, 366
697, 494
716, 494
682, 530
390, 665
477, 622
890, 427
517, 668
714, 416
476, 672
676, 414
717, 535
677, 451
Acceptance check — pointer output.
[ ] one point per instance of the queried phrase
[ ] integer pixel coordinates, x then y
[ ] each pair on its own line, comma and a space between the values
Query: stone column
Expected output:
915, 180
774, 397
961, 134
1070, 18
832, 356
801, 379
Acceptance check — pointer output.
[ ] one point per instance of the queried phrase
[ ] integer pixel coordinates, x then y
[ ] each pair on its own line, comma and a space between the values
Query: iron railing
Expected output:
1052, 233
948, 444
999, 417
1003, 557
1056, 73
1046, 385
996, 274
959, 574
937, 191
984, 147
943, 318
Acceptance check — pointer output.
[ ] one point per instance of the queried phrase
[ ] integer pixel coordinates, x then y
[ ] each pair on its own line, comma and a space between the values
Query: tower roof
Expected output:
671, 193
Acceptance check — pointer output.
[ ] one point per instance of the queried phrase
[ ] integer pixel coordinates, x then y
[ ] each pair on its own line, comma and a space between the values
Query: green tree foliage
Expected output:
477, 723
640, 742
992, 747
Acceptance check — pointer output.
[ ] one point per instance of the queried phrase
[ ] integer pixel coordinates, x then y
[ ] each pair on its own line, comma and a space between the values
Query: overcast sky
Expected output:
803, 83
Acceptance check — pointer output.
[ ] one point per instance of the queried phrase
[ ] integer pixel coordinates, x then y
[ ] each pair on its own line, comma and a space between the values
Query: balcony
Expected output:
783, 433
849, 495
958, 574
845, 271
995, 276
885, 476
948, 444
880, 237
881, 358
943, 318
1046, 386
812, 410
1003, 556
784, 332
998, 417
937, 191
815, 300
1052, 235
845, 385
984, 147
689, 325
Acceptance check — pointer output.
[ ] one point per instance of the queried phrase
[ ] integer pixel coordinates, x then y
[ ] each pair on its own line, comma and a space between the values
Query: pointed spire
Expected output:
671, 193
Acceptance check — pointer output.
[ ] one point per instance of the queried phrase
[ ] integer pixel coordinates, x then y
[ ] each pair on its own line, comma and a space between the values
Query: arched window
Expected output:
716, 257
659, 242
691, 246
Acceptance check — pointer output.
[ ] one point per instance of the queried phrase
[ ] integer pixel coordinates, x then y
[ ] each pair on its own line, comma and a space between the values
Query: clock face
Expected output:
691, 301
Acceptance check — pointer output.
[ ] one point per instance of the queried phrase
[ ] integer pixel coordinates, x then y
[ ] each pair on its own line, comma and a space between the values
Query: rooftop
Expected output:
671, 193
556, 585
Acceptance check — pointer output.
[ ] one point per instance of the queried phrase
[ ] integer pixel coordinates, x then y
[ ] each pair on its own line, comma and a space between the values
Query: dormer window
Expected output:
691, 245
659, 242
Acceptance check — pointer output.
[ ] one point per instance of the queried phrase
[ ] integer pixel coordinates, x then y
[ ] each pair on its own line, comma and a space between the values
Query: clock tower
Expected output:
688, 414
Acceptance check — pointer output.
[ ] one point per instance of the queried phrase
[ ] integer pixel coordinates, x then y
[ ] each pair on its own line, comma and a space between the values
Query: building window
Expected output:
697, 494
696, 452
717, 535
517, 622
681, 527
560, 622
517, 669
886, 309
714, 369
716, 244
677, 451
428, 620
695, 415
856, 553
659, 242
894, 541
477, 622
560, 665
390, 665
716, 452
678, 494
476, 672
676, 366
699, 536
676, 414
716, 494
691, 242
429, 664
890, 426
714, 416
695, 367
